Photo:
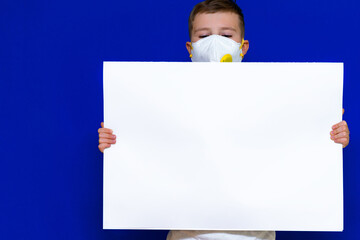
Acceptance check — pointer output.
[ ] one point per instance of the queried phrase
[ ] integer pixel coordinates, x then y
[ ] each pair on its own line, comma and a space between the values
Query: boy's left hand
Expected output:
340, 133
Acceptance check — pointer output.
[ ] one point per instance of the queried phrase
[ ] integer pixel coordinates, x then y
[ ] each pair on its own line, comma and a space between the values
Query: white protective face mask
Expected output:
216, 48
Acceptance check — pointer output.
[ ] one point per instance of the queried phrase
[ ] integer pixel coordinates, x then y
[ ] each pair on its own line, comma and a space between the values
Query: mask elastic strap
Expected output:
191, 48
242, 43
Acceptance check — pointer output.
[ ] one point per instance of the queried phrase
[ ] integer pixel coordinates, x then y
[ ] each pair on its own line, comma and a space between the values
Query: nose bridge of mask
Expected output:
216, 43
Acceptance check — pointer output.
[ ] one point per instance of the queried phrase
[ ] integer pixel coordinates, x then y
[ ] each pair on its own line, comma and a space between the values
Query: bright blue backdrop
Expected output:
51, 55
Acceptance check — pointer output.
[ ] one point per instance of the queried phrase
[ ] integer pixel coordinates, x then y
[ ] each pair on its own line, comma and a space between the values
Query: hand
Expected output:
106, 138
340, 133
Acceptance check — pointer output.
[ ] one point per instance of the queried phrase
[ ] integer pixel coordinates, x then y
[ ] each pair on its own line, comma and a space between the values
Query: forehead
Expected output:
216, 20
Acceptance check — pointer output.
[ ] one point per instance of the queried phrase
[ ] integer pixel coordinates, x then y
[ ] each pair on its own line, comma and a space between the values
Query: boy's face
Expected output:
221, 23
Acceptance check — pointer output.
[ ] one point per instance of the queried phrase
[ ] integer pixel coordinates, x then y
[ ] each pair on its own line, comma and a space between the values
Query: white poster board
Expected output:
223, 146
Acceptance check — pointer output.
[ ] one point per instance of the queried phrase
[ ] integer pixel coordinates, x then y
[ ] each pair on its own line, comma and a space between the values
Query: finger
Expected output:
340, 135
343, 141
339, 124
107, 135
102, 124
103, 146
340, 129
106, 140
105, 130
343, 111
342, 123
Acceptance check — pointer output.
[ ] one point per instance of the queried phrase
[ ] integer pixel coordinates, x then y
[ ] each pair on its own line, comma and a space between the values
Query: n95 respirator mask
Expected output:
216, 48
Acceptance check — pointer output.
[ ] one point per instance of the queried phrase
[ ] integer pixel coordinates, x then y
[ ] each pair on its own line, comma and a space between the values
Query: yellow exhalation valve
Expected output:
226, 58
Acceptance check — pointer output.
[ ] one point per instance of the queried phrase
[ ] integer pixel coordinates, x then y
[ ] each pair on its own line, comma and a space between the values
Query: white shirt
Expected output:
220, 235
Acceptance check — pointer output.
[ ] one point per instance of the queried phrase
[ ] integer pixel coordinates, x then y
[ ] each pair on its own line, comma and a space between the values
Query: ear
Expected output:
245, 47
188, 47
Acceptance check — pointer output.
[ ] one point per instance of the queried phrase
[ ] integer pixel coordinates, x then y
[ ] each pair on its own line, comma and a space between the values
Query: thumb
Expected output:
102, 124
343, 111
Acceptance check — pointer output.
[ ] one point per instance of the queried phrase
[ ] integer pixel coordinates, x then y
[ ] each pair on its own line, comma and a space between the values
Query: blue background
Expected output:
51, 55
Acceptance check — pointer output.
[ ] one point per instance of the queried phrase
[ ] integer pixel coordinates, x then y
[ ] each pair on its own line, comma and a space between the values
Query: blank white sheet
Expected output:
223, 146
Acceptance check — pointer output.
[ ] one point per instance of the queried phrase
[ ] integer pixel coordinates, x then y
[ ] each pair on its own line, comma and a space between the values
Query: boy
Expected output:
216, 29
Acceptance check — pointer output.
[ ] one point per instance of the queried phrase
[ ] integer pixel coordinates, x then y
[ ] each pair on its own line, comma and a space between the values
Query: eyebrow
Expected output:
228, 28
223, 28
201, 29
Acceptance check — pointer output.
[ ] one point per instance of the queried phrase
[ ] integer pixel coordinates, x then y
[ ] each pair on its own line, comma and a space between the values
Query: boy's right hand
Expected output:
106, 138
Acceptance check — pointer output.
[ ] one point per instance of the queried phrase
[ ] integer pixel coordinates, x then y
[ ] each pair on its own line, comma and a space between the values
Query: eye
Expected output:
203, 36
228, 36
